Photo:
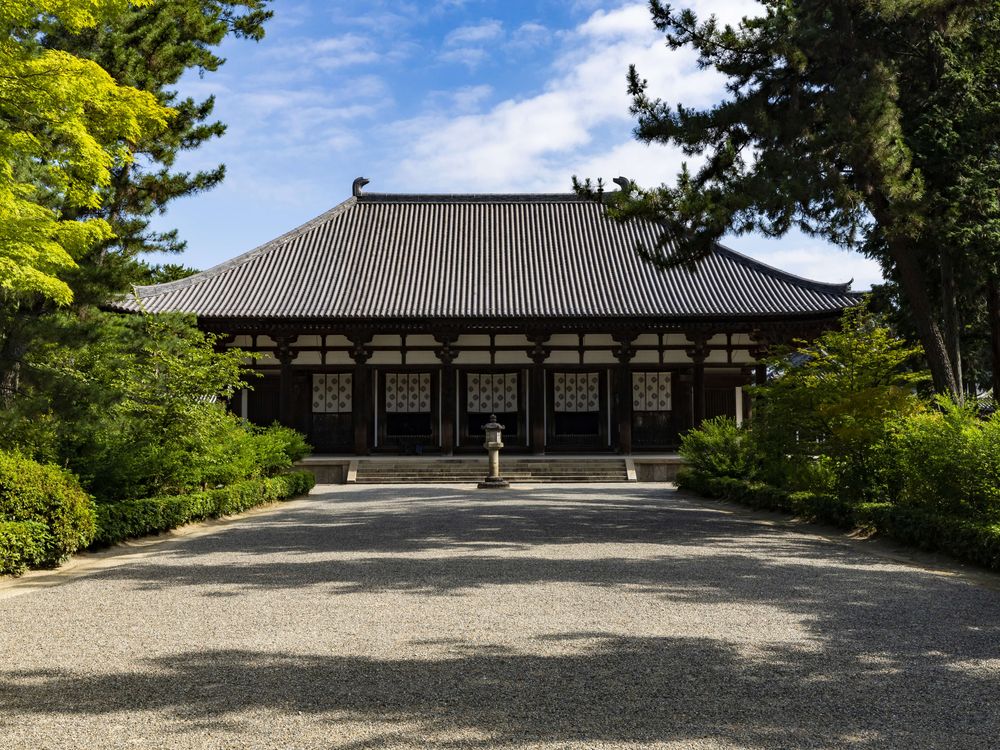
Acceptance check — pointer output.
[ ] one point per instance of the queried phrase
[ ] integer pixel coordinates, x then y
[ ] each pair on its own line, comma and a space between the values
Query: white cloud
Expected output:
536, 141
485, 31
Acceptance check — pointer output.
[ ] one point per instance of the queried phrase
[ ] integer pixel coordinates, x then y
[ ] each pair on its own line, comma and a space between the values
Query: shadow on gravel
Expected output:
612, 690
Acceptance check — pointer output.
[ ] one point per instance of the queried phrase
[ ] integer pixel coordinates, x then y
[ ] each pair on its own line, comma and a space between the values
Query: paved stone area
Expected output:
555, 617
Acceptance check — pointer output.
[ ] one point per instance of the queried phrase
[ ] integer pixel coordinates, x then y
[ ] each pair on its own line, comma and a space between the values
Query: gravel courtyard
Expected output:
614, 616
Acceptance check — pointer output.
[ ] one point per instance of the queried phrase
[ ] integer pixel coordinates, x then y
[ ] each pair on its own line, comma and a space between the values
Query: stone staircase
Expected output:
471, 470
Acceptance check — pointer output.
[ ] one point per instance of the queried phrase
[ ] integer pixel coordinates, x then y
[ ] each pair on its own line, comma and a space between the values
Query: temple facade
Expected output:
399, 323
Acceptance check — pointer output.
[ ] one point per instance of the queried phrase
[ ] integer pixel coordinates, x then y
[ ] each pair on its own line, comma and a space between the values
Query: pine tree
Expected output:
828, 126
150, 48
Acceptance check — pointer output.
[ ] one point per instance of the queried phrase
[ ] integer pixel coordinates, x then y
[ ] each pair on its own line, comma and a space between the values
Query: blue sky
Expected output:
444, 96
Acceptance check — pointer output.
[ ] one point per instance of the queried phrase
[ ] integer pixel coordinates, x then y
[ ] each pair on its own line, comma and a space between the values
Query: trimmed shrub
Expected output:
129, 519
966, 539
948, 461
47, 495
23, 545
720, 448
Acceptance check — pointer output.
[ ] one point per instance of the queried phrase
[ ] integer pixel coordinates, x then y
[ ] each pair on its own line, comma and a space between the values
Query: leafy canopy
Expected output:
828, 125
65, 124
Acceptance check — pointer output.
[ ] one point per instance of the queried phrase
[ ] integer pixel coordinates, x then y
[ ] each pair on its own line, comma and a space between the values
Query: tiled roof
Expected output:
480, 256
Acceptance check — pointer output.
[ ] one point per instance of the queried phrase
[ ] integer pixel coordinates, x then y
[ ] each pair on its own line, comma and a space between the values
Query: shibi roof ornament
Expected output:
357, 185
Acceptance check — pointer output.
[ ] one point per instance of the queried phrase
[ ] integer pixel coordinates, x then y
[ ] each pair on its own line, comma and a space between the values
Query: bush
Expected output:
966, 539
134, 405
47, 495
134, 518
277, 448
720, 448
948, 462
23, 545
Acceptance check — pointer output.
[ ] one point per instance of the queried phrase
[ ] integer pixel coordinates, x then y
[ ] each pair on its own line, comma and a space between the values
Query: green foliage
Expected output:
872, 124
976, 541
134, 518
36, 493
135, 405
720, 448
22, 545
150, 48
948, 462
825, 420
66, 124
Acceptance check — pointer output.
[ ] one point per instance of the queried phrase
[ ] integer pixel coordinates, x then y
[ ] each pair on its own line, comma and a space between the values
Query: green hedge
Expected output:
134, 518
972, 541
23, 545
45, 496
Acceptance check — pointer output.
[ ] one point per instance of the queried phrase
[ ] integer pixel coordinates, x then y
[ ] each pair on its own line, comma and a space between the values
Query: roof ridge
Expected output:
470, 198
172, 286
818, 286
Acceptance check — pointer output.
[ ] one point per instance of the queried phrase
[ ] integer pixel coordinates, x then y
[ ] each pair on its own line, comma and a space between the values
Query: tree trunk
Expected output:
993, 310
952, 324
915, 290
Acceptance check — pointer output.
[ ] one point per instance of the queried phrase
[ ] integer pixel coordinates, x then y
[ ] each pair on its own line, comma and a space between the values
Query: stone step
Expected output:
472, 470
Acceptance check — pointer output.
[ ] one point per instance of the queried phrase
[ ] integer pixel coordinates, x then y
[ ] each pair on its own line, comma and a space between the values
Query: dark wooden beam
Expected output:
285, 354
446, 353
698, 352
362, 396
624, 353
538, 353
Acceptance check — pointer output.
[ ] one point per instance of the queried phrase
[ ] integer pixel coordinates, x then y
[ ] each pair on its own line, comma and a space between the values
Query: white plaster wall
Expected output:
386, 358
309, 340
473, 339
512, 339
513, 358
675, 356
386, 340
339, 358
472, 358
563, 358
422, 358
564, 339
308, 358
421, 339
599, 358
337, 340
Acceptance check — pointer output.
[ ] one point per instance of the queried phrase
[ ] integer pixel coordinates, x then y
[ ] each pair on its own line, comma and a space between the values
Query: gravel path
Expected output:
617, 616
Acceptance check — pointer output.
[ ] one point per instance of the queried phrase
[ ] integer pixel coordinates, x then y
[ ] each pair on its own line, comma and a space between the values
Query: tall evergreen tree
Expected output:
828, 126
63, 123
150, 48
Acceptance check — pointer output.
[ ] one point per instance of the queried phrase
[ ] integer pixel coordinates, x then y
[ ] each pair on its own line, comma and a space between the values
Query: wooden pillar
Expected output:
447, 356
538, 353
699, 392
624, 353
698, 353
760, 375
362, 395
284, 353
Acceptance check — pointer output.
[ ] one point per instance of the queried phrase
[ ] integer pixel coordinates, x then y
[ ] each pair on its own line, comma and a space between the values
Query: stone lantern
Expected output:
493, 444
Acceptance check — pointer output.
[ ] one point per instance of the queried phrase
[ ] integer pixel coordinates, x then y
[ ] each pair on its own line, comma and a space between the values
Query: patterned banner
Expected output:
491, 393
651, 391
576, 392
331, 393
408, 392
